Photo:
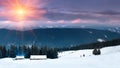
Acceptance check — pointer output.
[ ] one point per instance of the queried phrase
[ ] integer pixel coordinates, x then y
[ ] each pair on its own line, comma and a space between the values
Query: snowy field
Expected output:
110, 58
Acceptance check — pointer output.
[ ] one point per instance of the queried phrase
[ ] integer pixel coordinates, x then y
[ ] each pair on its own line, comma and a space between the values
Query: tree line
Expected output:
51, 53
26, 51
97, 45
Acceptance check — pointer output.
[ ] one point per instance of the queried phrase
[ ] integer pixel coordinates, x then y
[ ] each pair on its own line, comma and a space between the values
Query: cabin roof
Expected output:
20, 57
38, 56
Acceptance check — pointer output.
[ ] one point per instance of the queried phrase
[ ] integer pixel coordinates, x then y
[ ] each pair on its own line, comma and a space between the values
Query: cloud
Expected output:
90, 5
24, 25
61, 21
76, 21
65, 15
83, 21
101, 16
109, 13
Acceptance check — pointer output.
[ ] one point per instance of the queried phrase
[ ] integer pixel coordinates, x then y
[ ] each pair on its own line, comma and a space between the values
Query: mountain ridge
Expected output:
56, 37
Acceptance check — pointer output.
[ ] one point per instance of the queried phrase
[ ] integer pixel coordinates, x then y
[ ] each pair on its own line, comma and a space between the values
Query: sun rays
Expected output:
22, 12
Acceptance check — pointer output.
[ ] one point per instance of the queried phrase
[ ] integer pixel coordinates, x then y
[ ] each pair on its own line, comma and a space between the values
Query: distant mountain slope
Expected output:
55, 37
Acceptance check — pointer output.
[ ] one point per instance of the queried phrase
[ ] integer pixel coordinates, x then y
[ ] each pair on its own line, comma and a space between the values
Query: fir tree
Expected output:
96, 51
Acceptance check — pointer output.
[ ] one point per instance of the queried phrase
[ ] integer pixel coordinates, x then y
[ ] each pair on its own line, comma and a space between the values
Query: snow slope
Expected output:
71, 59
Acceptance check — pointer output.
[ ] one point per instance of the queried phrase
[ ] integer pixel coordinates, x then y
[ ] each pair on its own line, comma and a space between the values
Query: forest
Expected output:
12, 51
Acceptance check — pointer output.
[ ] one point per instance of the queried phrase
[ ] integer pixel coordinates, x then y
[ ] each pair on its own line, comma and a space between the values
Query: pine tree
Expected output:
28, 53
96, 51
3, 52
12, 51
52, 53
43, 50
35, 50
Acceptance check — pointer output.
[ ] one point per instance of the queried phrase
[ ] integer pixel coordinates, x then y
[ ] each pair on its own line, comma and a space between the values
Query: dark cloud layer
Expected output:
71, 15
103, 11
109, 13
92, 5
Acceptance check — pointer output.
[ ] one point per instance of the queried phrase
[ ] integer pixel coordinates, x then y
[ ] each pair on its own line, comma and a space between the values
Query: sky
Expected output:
59, 13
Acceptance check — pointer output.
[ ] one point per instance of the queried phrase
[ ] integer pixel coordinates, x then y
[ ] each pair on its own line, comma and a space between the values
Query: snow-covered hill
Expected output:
109, 58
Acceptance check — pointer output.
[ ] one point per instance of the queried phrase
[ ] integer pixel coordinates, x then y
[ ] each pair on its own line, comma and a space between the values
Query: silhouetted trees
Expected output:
35, 50
12, 52
96, 51
52, 53
92, 45
43, 50
3, 52
26, 51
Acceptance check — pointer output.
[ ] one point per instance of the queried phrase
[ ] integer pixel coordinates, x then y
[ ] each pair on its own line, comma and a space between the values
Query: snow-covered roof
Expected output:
19, 57
38, 57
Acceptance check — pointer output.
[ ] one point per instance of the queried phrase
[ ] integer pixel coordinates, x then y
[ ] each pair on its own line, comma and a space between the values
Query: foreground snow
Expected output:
70, 59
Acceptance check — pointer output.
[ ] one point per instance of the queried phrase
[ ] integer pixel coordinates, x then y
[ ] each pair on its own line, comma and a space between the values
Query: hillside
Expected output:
109, 58
55, 37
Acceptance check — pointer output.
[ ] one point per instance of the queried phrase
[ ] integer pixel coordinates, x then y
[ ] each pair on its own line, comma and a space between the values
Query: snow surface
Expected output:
100, 40
110, 58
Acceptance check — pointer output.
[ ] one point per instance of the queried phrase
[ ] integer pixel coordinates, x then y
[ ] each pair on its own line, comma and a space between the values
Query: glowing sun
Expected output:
21, 10
21, 13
